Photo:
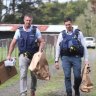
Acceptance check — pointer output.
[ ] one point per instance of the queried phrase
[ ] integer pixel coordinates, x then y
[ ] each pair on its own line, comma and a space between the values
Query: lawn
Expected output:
56, 83
4, 50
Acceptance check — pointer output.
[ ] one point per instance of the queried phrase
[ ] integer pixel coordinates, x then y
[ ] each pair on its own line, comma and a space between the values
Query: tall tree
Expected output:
87, 23
49, 1
93, 2
13, 6
0, 9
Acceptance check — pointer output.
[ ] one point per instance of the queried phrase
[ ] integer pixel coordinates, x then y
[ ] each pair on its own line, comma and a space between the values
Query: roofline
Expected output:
42, 28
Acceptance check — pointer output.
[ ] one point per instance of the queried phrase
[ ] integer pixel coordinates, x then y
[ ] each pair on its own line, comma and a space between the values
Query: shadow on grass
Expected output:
56, 93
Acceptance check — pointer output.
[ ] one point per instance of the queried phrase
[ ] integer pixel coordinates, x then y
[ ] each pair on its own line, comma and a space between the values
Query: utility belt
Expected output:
71, 55
27, 54
67, 53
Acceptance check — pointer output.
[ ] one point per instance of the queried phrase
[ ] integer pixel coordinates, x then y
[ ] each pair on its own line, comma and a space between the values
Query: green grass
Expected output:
93, 77
12, 80
3, 57
50, 53
49, 88
3, 53
9, 82
52, 85
56, 83
15, 54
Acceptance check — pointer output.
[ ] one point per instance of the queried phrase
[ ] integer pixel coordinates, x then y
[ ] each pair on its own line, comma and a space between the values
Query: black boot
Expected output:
69, 94
77, 93
77, 83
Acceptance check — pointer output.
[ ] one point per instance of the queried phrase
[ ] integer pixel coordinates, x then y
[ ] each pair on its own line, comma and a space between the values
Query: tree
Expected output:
93, 2
87, 22
45, 13
13, 4
1, 8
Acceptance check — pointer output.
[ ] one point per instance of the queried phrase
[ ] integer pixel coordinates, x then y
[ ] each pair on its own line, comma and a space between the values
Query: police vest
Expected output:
28, 41
71, 45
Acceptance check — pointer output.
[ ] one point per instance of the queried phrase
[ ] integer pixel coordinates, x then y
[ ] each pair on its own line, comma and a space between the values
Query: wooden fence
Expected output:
49, 47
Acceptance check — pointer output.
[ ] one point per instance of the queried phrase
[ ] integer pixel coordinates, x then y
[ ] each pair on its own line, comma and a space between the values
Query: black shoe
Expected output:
77, 93
69, 94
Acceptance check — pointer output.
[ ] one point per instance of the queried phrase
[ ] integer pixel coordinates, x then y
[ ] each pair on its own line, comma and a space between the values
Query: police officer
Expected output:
27, 37
69, 57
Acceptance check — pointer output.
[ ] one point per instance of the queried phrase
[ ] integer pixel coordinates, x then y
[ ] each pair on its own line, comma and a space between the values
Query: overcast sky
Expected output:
65, 0
43, 0
61, 1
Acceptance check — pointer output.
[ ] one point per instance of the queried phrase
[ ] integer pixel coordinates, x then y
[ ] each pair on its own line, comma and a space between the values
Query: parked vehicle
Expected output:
90, 42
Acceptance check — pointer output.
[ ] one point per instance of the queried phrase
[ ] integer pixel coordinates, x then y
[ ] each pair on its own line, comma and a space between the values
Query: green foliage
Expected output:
48, 13
54, 13
24, 8
10, 18
50, 88
1, 8
87, 22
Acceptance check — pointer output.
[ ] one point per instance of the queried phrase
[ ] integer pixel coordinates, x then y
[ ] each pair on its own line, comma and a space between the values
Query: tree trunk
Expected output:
1, 4
93, 2
13, 6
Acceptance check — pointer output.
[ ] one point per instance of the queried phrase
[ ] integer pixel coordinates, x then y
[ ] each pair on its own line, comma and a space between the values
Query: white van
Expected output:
90, 42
